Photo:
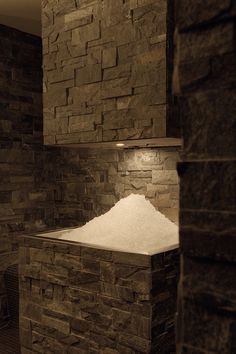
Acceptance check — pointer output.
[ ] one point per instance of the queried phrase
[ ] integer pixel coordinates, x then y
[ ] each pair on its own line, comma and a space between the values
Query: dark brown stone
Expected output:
202, 117
193, 13
205, 64
201, 185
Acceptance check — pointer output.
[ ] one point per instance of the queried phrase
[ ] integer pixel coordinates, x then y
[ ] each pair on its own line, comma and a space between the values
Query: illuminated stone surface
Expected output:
87, 300
98, 53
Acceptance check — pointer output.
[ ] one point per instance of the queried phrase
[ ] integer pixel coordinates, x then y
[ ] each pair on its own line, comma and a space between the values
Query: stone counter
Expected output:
81, 300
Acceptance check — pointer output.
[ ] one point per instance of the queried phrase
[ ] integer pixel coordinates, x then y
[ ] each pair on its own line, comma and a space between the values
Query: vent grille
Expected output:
9, 335
12, 288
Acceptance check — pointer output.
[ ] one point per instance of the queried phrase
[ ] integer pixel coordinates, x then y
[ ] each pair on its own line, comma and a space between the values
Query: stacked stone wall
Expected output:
105, 75
46, 187
26, 189
81, 300
92, 181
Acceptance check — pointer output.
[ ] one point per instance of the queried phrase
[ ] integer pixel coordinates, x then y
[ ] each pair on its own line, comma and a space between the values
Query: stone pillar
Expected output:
105, 74
206, 75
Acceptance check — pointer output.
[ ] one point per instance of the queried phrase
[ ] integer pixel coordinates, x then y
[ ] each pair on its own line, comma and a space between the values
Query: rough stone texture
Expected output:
92, 181
105, 76
76, 299
26, 189
205, 73
26, 192
42, 188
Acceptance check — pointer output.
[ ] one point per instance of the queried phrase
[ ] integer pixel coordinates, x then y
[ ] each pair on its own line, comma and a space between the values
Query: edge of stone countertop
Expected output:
45, 235
160, 142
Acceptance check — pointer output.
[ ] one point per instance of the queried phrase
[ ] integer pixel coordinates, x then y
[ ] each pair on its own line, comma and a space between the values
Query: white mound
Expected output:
132, 225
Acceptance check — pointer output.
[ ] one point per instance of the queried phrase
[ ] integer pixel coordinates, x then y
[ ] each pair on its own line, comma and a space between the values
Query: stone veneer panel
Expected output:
26, 188
105, 76
206, 73
46, 187
76, 299
91, 181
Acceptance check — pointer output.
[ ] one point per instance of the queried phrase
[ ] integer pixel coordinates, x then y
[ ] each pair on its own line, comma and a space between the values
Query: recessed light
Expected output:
120, 144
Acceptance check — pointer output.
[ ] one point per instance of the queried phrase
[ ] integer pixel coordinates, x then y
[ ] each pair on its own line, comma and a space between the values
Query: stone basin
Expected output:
79, 298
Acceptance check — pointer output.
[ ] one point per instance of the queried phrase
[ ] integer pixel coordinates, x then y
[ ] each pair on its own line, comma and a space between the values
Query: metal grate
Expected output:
12, 289
9, 335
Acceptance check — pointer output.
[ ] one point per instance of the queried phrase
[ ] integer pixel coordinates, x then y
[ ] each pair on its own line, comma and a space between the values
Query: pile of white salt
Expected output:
132, 225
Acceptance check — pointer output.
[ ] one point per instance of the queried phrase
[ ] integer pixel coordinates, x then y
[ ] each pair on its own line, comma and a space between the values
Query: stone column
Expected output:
205, 74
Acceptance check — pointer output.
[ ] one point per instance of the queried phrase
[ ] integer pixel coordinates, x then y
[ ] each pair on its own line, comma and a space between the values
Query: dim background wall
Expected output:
43, 188
26, 189
207, 77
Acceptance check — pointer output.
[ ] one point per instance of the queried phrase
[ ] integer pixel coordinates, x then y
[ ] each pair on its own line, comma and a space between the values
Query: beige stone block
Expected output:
159, 121
86, 33
159, 127
62, 125
84, 123
88, 74
59, 36
109, 105
151, 191
112, 13
116, 88
125, 33
78, 109
141, 123
49, 127
130, 133
117, 120
79, 14
55, 95
127, 51
45, 44
78, 23
76, 50
133, 4
76, 138
87, 93
109, 135
41, 256
123, 102
146, 73
164, 201
155, 55
94, 55
62, 52
164, 177
171, 213
49, 140
156, 94
109, 57
62, 326
119, 71
158, 38
107, 199
54, 76
49, 61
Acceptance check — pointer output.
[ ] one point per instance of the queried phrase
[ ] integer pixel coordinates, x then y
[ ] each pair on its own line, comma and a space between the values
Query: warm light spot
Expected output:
120, 144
